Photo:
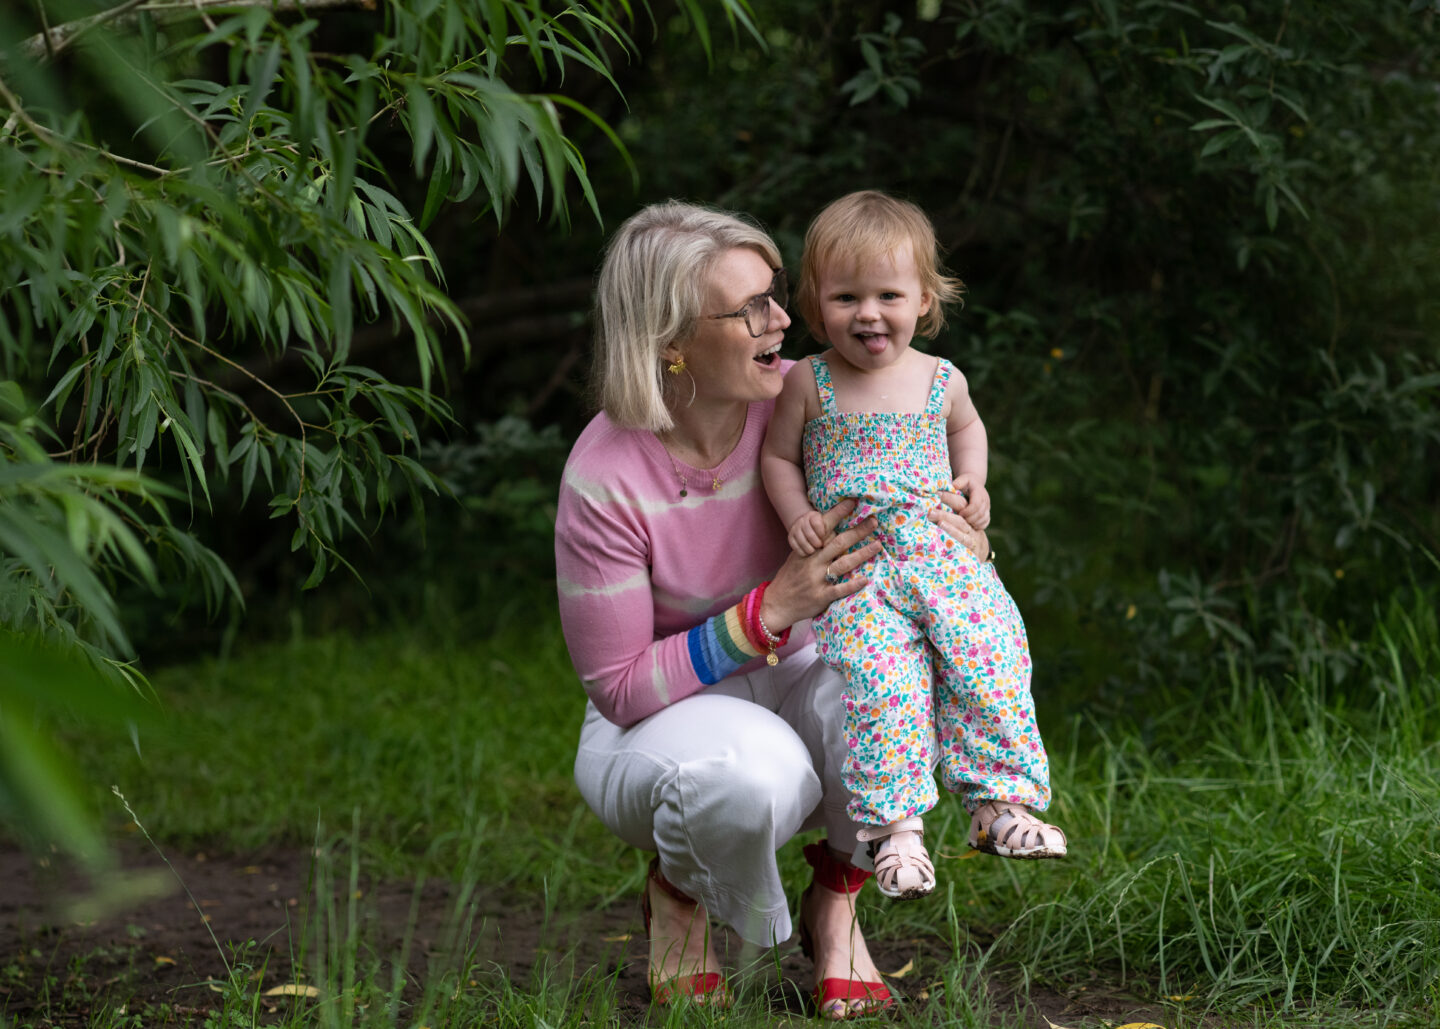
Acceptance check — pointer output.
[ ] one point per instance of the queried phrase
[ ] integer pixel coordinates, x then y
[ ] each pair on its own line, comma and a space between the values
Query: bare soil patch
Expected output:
159, 955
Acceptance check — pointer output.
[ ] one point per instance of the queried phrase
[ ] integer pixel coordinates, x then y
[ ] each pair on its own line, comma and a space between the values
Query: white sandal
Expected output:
903, 870
1012, 830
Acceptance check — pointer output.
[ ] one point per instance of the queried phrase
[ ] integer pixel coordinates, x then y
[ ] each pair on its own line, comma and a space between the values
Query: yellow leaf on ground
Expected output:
615, 939
1180, 996
163, 960
903, 972
1139, 1025
292, 990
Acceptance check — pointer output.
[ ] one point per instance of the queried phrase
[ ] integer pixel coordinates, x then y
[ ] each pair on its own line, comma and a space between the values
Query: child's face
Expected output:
870, 310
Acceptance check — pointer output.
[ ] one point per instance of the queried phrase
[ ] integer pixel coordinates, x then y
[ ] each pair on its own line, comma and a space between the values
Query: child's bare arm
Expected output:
969, 451
781, 463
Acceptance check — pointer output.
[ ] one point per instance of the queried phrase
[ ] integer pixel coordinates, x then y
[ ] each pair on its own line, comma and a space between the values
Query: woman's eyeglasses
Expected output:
756, 311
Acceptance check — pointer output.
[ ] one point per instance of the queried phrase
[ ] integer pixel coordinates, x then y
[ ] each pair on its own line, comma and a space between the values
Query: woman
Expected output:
712, 733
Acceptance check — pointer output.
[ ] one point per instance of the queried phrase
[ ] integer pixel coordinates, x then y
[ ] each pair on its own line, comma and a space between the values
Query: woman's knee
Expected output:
763, 769
763, 786
702, 768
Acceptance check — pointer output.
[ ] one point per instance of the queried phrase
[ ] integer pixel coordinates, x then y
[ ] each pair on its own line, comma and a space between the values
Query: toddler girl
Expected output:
873, 419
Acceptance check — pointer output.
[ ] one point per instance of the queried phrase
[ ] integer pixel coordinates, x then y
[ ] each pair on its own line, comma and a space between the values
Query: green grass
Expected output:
1252, 853
430, 743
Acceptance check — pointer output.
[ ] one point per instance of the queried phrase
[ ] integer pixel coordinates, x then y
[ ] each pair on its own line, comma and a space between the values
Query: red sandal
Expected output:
839, 877
705, 988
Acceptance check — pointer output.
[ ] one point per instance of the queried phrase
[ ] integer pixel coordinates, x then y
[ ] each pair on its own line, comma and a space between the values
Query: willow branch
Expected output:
304, 439
50, 139
45, 46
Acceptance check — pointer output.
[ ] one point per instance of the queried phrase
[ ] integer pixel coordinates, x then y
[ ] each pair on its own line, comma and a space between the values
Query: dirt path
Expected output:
56, 971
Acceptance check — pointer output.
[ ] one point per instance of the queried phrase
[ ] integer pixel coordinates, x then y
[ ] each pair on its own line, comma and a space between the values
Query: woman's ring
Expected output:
831, 577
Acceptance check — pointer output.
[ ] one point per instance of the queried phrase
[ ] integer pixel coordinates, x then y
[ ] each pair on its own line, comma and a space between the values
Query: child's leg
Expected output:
990, 747
884, 659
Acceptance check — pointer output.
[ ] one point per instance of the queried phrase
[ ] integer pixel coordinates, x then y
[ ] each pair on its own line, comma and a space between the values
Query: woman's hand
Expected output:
805, 586
952, 524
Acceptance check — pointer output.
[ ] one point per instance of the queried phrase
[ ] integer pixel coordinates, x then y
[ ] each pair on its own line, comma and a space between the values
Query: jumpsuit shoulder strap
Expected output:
943, 370
823, 384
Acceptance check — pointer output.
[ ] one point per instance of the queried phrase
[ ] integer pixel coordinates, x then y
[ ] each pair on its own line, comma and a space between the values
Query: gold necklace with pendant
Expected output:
715, 481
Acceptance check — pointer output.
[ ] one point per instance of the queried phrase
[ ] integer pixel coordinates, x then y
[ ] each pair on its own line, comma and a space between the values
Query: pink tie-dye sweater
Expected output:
645, 577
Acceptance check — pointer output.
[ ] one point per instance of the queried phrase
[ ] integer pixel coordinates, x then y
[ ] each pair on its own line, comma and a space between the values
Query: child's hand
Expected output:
977, 501
807, 533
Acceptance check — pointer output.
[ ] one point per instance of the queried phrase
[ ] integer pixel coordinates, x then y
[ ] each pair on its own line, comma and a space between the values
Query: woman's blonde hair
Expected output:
652, 284
861, 226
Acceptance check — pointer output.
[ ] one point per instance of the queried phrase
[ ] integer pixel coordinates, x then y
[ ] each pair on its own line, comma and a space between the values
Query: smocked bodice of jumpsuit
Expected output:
894, 464
936, 663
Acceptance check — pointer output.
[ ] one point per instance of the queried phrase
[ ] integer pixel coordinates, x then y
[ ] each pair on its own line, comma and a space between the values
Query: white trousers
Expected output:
719, 781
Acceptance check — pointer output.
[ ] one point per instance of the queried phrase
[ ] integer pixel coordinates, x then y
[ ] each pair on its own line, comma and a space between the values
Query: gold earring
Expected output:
677, 367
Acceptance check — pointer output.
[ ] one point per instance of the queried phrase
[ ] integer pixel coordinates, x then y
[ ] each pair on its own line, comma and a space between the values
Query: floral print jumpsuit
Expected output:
929, 603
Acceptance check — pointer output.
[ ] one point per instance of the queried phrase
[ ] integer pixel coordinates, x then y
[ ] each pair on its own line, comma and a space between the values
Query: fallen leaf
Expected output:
163, 960
615, 939
1051, 1024
1182, 997
903, 972
292, 990
1139, 1025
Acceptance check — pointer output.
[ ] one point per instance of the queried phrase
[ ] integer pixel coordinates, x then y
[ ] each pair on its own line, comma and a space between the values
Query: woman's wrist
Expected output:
771, 613
759, 629
767, 634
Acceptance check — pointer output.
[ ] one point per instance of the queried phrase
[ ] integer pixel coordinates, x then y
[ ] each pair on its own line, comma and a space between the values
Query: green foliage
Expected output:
38, 789
884, 51
1200, 251
504, 476
1227, 371
58, 521
200, 216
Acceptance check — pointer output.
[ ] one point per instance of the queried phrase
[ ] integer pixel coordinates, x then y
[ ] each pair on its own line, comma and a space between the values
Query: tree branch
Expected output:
45, 46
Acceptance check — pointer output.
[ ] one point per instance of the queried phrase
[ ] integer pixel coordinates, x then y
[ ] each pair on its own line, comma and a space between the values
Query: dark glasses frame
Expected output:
758, 306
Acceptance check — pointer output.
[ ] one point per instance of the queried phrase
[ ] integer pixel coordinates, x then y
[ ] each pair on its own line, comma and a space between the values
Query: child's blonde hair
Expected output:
861, 225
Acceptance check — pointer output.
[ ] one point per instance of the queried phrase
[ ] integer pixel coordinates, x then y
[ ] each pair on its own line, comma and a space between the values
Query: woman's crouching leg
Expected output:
815, 706
717, 785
